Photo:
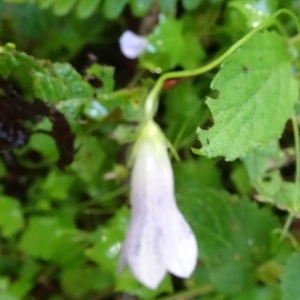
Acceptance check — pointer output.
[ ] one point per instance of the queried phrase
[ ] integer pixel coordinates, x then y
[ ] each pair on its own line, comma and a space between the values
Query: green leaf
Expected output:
263, 168
46, 3
11, 218
166, 46
105, 74
89, 158
202, 172
60, 82
57, 185
190, 4
63, 7
86, 8
8, 296
127, 283
234, 236
79, 282
109, 239
140, 7
52, 238
259, 293
113, 8
253, 11
182, 123
290, 280
255, 89
167, 6
26, 279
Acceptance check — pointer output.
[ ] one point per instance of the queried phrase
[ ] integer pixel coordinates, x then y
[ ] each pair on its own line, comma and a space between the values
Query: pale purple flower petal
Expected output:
132, 45
158, 239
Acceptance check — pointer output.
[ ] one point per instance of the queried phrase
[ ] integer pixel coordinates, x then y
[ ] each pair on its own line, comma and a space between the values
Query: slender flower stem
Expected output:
151, 101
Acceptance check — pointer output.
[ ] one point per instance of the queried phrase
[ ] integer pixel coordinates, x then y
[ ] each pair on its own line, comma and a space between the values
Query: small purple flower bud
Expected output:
158, 240
132, 45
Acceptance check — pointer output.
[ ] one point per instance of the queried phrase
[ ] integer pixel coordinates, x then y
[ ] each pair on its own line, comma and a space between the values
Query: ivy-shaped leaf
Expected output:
234, 236
256, 92
11, 218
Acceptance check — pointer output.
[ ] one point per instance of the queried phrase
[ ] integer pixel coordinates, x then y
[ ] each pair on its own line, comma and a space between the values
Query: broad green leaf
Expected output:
45, 146
52, 238
126, 103
253, 11
57, 185
63, 7
85, 8
60, 82
191, 4
11, 218
259, 293
26, 279
89, 158
140, 7
105, 74
166, 46
109, 239
255, 88
182, 123
234, 236
290, 279
202, 172
79, 282
263, 168
113, 8
10, 59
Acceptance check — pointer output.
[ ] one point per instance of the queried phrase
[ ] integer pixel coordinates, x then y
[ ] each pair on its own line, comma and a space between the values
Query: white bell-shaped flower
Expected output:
132, 45
158, 240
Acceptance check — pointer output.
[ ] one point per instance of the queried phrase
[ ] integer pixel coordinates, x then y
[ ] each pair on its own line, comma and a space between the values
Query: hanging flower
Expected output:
158, 240
132, 45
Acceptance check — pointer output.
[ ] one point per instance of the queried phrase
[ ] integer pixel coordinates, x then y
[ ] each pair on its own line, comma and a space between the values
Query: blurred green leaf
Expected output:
126, 282
190, 4
253, 91
63, 7
57, 185
202, 172
140, 7
253, 12
184, 109
105, 74
234, 236
290, 280
109, 238
11, 216
263, 168
259, 293
78, 283
165, 46
89, 158
113, 8
60, 82
86, 8
52, 238
26, 280
167, 6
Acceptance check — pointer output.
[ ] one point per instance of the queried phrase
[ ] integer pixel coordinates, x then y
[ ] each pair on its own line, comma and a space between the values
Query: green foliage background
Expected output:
61, 230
